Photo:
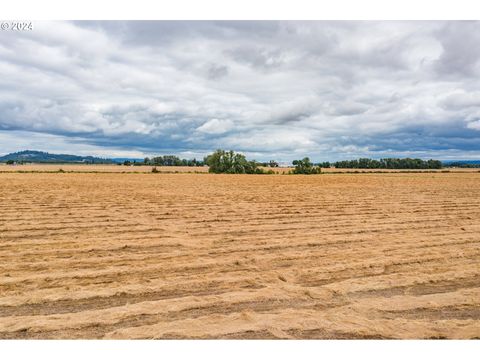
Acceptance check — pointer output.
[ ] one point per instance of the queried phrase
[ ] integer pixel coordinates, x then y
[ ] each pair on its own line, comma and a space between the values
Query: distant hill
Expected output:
44, 157
462, 163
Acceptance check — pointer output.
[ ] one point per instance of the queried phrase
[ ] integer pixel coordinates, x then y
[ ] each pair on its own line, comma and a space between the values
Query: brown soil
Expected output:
342, 256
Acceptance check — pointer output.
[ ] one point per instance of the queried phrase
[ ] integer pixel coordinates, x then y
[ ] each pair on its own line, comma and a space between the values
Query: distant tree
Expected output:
389, 163
127, 163
158, 160
325, 164
171, 160
305, 166
434, 164
229, 162
10, 162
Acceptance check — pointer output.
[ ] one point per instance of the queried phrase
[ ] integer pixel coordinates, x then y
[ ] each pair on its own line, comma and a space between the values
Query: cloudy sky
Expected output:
273, 90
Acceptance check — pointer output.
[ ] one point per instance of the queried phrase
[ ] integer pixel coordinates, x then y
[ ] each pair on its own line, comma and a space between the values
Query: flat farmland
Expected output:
111, 168
344, 256
103, 168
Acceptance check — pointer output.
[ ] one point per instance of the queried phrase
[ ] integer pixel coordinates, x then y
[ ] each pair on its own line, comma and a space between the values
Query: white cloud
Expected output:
271, 88
216, 126
461, 99
475, 125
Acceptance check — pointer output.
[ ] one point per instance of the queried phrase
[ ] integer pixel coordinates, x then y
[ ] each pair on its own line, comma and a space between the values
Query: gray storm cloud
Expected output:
329, 90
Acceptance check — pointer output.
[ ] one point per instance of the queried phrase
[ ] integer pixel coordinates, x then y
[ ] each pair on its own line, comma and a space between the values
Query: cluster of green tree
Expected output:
172, 160
271, 163
325, 164
389, 163
166, 160
305, 166
229, 162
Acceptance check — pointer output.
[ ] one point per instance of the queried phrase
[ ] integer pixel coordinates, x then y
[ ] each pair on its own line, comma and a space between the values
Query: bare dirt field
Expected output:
100, 168
111, 255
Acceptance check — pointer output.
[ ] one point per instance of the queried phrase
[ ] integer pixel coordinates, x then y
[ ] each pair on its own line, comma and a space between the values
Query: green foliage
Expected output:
389, 163
10, 162
325, 164
229, 162
171, 160
305, 166
271, 163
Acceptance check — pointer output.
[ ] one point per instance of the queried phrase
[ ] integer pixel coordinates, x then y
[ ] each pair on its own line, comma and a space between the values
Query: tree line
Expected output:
230, 162
220, 161
387, 163
229, 158
166, 160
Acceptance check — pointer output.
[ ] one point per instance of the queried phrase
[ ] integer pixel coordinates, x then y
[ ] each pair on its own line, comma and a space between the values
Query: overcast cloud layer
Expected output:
273, 90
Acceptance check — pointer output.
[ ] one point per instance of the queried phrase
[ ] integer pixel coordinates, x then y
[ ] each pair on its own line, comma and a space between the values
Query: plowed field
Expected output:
112, 255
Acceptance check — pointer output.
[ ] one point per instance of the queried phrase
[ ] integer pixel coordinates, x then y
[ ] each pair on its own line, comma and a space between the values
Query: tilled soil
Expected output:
331, 256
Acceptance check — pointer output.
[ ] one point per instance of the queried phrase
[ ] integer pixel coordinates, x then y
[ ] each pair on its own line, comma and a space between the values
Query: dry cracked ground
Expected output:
127, 256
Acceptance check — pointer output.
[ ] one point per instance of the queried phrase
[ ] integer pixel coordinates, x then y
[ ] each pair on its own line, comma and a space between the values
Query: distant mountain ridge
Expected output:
447, 162
462, 163
45, 157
